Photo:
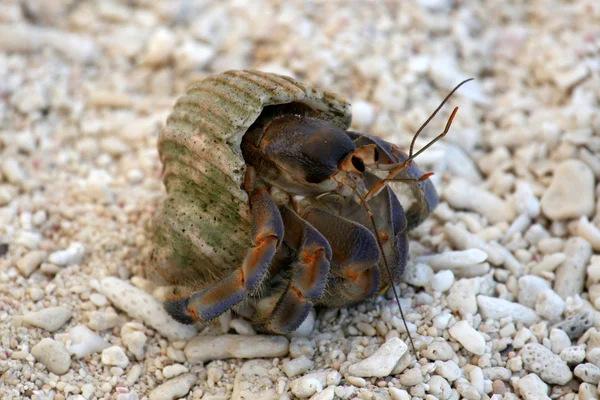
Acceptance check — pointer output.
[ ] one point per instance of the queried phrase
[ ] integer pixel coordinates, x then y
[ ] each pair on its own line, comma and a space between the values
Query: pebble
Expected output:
497, 373
363, 113
144, 307
588, 372
439, 387
115, 355
411, 377
192, 55
549, 263
529, 288
559, 340
174, 388
590, 232
497, 309
531, 387
50, 319
442, 281
297, 366
327, 394
305, 386
575, 325
53, 355
438, 349
550, 367
98, 299
382, 361
134, 338
461, 194
74, 254
593, 355
161, 45
525, 200
254, 381
205, 348
463, 294
173, 370
453, 260
418, 274
571, 192
573, 354
570, 275
465, 240
84, 342
30, 262
242, 327
549, 305
468, 337
398, 394
448, 369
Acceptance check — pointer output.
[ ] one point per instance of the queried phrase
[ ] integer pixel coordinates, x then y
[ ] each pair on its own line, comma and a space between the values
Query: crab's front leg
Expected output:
354, 274
267, 233
309, 271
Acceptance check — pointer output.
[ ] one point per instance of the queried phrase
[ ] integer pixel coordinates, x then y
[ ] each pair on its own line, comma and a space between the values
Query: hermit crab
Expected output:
272, 201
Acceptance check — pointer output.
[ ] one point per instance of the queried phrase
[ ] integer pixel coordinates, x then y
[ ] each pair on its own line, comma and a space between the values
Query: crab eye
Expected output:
358, 164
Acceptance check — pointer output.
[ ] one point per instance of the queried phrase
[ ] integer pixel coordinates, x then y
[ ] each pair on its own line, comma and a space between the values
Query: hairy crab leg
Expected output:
355, 256
309, 273
209, 303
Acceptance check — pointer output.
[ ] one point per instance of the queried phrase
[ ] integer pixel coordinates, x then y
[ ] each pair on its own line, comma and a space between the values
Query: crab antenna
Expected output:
387, 267
433, 114
397, 168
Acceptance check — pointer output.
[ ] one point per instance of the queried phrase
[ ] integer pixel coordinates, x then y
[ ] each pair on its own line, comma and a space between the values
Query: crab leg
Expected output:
354, 271
309, 273
214, 300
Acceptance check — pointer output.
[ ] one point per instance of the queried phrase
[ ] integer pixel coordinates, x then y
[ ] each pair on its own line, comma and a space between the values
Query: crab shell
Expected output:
202, 228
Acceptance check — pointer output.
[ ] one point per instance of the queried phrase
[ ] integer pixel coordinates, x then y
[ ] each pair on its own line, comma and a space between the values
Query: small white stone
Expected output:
174, 388
49, 319
160, 47
53, 355
30, 262
531, 387
464, 240
305, 386
454, 259
463, 295
497, 309
363, 113
173, 370
306, 327
570, 275
134, 338
588, 372
529, 288
461, 194
13, 172
540, 360
381, 362
549, 305
418, 274
327, 394
297, 366
573, 354
74, 254
356, 381
192, 55
468, 337
98, 299
143, 306
559, 340
205, 348
398, 394
589, 232
242, 327
448, 369
84, 342
115, 355
438, 349
549, 263
411, 377
571, 193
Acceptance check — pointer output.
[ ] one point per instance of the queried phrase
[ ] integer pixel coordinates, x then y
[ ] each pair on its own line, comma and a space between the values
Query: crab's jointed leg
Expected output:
354, 274
309, 272
209, 303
